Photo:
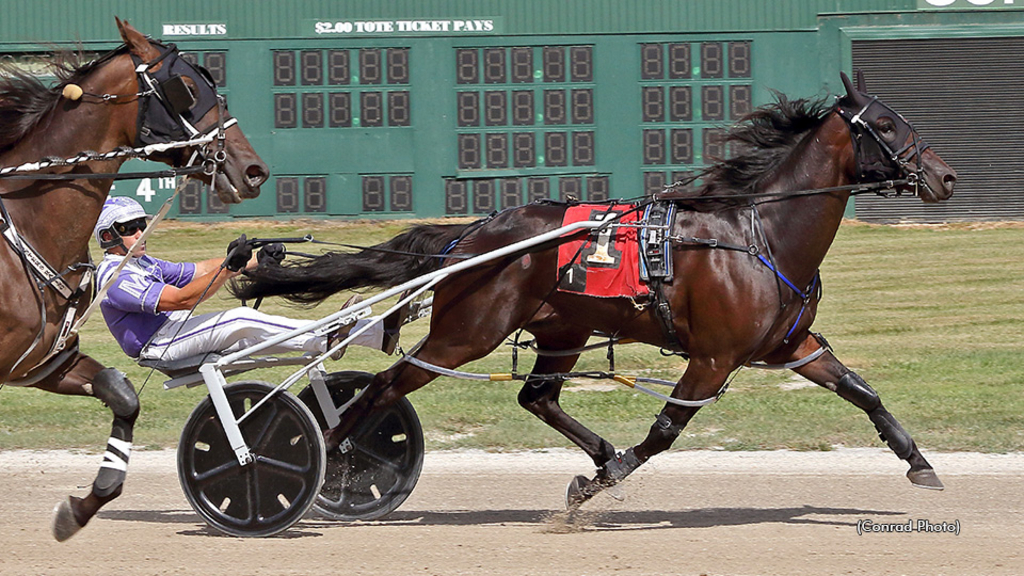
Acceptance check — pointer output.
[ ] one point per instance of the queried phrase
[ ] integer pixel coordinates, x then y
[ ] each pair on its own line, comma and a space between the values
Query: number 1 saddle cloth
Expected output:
605, 263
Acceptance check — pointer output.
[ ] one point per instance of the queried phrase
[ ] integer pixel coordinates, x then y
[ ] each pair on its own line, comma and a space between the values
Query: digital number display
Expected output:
312, 67
496, 108
401, 193
214, 205
338, 67
511, 195
522, 65
597, 188
497, 150
654, 182
312, 110
538, 189
371, 109
714, 145
682, 145
522, 107
711, 60
581, 64
524, 150
652, 62
554, 107
554, 64
494, 66
467, 66
570, 188
339, 106
287, 194
654, 147
739, 59
712, 102
468, 108
456, 197
582, 106
373, 194
680, 103
469, 151
399, 109
582, 148
556, 149
484, 196
679, 61
285, 111
398, 65
315, 192
653, 103
284, 68
370, 67
740, 101
190, 201
216, 63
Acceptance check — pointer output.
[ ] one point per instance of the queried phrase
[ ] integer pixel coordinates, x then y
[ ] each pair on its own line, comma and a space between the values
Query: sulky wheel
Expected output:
375, 469
269, 494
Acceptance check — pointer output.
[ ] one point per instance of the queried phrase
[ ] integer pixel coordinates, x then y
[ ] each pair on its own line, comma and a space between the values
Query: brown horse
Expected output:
746, 248
102, 105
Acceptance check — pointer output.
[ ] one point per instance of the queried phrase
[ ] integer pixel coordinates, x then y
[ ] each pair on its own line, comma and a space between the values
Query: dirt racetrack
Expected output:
479, 513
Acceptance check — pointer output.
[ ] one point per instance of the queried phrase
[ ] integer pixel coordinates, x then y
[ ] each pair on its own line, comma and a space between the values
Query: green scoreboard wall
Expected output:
429, 108
431, 127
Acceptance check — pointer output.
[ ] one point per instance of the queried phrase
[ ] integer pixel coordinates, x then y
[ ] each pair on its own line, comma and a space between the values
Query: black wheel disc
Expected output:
269, 494
376, 469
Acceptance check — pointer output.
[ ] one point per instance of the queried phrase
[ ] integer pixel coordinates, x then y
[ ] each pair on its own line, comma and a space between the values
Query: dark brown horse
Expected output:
98, 106
775, 206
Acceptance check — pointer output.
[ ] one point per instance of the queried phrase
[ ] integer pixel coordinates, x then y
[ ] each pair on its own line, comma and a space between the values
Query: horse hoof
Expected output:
64, 524
925, 478
574, 493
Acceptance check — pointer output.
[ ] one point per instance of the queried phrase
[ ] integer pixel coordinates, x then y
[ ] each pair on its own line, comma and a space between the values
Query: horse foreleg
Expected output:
114, 389
539, 396
698, 382
829, 372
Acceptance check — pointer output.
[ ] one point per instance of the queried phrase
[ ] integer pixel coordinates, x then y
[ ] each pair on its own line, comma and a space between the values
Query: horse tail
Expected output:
405, 257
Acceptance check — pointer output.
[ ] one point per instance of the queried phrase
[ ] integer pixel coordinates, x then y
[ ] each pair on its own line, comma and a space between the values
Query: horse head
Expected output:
178, 101
887, 147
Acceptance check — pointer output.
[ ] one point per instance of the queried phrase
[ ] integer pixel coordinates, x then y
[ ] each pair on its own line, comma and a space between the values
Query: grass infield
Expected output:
931, 316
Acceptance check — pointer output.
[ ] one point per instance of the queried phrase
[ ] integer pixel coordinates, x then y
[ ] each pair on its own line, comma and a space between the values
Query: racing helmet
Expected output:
121, 216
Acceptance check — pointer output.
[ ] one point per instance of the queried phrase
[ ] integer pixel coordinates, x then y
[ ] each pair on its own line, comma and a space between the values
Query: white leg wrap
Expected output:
117, 454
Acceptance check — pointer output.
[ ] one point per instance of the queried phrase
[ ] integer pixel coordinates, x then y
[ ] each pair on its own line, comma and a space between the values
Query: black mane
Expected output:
25, 100
762, 140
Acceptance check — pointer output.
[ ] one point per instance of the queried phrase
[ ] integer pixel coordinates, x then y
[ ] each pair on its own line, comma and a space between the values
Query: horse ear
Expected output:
861, 85
851, 92
136, 42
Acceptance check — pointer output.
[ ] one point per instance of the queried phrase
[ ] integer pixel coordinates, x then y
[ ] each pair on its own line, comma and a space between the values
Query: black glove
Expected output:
272, 253
239, 254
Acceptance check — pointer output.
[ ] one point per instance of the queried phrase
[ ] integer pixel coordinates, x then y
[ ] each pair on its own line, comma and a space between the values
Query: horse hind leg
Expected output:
114, 389
829, 372
540, 396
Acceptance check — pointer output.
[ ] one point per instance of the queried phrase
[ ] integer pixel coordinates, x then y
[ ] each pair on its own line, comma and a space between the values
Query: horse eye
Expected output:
886, 128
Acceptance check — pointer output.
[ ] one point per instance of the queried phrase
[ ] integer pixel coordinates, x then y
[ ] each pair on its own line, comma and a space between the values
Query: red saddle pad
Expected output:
608, 265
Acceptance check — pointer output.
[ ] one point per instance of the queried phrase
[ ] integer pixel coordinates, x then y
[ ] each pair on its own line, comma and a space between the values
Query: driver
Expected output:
148, 307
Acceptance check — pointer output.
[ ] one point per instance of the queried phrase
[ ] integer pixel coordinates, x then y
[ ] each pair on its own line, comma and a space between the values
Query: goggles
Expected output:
131, 227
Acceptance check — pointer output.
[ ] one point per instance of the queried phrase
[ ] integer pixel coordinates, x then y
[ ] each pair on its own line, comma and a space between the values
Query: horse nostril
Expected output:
949, 180
256, 174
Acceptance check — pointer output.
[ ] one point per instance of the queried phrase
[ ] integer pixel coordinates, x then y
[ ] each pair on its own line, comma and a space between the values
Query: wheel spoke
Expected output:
282, 467
229, 468
373, 455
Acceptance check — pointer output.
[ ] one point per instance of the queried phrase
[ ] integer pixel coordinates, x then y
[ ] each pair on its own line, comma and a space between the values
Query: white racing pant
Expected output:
183, 336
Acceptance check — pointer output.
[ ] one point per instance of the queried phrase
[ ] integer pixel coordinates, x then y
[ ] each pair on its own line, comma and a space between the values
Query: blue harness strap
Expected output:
805, 296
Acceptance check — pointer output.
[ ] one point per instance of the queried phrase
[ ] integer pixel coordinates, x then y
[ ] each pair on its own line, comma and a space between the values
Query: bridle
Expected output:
876, 159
